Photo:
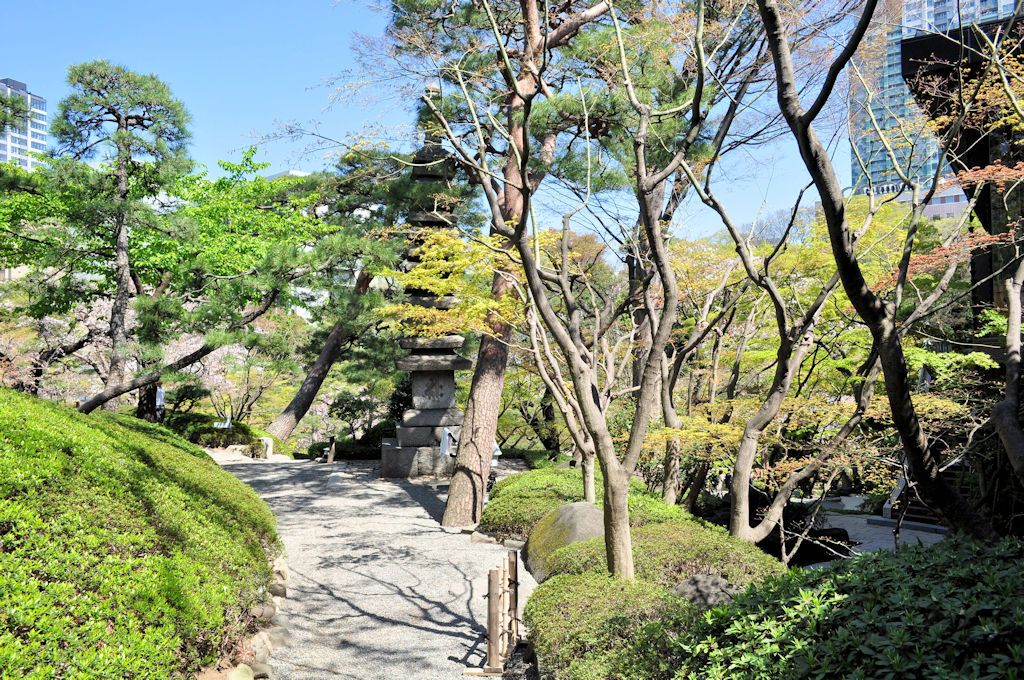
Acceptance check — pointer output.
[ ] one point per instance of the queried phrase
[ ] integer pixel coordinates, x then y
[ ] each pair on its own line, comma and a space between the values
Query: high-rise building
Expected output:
20, 141
887, 127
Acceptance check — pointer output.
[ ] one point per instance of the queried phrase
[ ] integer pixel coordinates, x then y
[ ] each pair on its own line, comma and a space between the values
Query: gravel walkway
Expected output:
378, 588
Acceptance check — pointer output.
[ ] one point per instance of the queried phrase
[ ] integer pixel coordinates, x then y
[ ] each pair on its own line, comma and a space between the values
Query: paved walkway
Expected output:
378, 589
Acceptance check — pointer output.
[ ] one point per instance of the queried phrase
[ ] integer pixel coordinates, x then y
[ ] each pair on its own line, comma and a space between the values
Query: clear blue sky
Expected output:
241, 68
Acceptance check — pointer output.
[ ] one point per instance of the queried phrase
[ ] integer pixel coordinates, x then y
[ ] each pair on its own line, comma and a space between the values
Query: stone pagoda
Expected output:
416, 450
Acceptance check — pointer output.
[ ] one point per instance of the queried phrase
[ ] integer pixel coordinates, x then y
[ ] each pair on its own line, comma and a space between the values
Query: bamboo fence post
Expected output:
494, 589
513, 605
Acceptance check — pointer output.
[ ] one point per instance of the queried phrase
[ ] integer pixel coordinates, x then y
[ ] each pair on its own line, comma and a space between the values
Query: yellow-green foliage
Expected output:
125, 552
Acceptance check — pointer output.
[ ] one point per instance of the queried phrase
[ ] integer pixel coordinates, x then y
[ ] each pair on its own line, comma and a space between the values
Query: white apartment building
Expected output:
20, 141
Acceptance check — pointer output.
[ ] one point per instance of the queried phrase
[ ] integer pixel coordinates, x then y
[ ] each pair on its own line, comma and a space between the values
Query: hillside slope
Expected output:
125, 552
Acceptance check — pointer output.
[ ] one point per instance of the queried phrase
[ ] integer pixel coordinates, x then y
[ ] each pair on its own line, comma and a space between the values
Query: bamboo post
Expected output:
504, 609
513, 605
494, 589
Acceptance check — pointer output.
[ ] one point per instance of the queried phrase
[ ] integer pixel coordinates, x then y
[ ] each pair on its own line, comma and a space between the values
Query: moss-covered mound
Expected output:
952, 610
582, 625
124, 551
670, 552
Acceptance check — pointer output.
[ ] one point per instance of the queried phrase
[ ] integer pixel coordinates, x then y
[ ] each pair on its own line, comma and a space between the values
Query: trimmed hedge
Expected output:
124, 550
519, 501
670, 552
198, 428
952, 610
582, 625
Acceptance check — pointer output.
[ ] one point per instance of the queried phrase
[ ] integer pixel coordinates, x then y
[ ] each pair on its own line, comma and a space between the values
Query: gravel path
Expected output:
378, 588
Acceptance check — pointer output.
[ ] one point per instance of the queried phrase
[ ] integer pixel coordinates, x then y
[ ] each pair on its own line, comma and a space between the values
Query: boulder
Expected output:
560, 527
706, 590
241, 672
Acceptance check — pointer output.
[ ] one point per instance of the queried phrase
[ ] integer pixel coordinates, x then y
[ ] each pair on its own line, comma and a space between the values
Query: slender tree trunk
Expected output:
285, 423
589, 484
122, 270
670, 468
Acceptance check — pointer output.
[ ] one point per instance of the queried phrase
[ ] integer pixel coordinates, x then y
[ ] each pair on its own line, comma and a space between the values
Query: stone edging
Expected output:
263, 644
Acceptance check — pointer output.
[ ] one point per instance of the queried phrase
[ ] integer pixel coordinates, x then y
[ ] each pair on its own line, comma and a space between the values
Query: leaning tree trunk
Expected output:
480, 425
285, 423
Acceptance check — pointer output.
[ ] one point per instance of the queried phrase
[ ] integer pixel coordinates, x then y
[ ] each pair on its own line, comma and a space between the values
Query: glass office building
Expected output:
887, 128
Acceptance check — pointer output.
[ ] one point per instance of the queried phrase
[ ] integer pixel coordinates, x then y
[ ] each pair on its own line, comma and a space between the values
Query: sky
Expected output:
244, 68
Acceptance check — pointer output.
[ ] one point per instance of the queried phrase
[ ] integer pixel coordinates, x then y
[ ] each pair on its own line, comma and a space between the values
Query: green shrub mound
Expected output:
670, 552
953, 610
198, 428
519, 501
124, 551
582, 625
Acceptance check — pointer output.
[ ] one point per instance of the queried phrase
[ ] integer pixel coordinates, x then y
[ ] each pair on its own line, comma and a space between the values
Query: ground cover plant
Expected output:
667, 553
124, 551
581, 625
952, 610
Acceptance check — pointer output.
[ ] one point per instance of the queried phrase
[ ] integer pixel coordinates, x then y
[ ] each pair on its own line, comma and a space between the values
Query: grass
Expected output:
124, 551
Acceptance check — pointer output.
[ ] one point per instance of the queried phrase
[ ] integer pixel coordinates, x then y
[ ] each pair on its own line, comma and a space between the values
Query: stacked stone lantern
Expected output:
416, 450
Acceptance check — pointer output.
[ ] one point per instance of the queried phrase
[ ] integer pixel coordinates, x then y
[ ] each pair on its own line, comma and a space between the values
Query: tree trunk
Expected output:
548, 432
146, 408
476, 443
618, 542
1004, 414
589, 485
122, 269
697, 482
670, 489
285, 423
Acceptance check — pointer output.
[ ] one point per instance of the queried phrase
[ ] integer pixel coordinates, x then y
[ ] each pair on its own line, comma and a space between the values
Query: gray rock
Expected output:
280, 567
706, 590
279, 636
262, 670
557, 529
241, 672
432, 390
478, 537
514, 544
261, 647
279, 590
264, 611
